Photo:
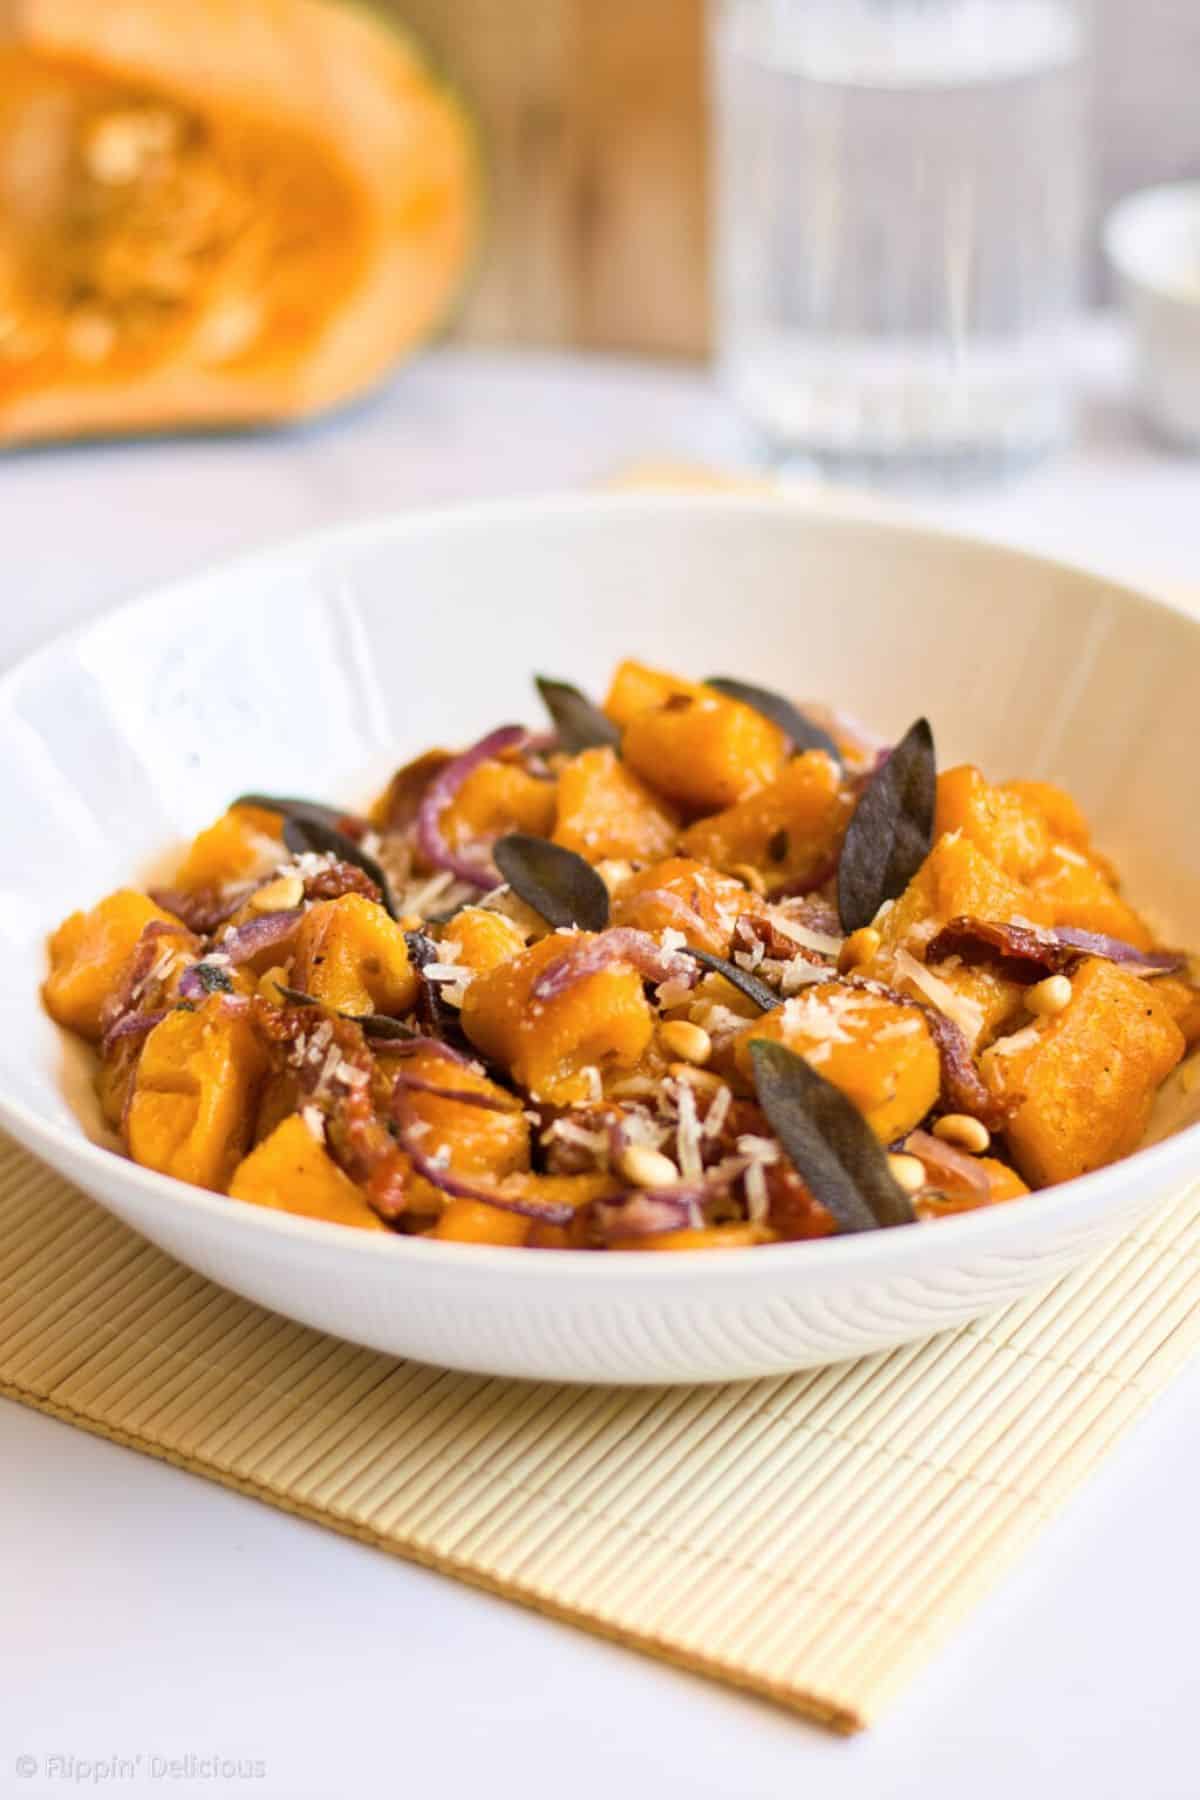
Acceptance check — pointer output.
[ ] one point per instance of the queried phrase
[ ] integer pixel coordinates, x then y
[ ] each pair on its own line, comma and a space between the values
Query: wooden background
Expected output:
594, 116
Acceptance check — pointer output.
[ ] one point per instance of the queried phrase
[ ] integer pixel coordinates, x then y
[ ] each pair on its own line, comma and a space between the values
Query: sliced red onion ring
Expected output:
506, 1103
945, 1161
240, 944
1094, 943
203, 911
435, 1047
132, 1024
549, 1212
124, 1000
647, 1212
683, 917
621, 944
480, 872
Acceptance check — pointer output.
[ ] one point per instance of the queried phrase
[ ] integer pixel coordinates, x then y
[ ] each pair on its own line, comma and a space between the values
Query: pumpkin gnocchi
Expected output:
741, 984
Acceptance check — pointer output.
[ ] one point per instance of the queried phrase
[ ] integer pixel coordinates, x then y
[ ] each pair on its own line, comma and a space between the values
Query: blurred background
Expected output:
867, 240
595, 117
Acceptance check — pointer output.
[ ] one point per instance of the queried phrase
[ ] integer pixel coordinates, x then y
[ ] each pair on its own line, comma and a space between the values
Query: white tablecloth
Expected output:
148, 1617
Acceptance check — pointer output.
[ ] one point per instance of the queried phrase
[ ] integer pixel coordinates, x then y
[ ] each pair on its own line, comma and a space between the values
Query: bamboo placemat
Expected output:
810, 1538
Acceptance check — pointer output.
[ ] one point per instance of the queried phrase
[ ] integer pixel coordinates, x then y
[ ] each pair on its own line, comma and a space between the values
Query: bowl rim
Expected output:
1175, 1157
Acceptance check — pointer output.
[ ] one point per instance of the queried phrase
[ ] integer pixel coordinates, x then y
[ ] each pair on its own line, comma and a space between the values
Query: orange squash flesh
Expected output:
218, 211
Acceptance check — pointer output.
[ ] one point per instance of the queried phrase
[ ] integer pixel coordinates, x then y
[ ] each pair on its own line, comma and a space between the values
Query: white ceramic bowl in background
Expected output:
317, 667
1152, 240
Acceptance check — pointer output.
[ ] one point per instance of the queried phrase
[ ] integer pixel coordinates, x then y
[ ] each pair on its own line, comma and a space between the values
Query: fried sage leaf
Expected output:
827, 1140
798, 726
374, 1025
559, 885
314, 810
757, 991
301, 835
578, 721
891, 831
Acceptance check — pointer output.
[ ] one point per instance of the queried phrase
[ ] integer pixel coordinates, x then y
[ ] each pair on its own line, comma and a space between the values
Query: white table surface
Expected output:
148, 1616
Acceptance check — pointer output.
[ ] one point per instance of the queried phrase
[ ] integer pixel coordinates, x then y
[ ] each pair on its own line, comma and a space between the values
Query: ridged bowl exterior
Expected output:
318, 667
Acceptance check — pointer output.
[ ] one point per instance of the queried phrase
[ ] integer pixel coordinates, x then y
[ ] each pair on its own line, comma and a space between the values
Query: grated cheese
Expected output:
962, 1011
687, 1134
800, 973
1016, 1041
717, 1113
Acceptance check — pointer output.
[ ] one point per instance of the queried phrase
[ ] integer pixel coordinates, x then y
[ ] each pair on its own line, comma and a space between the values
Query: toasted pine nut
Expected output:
277, 896
908, 1172
964, 1132
690, 1043
1045, 998
646, 1168
749, 877
703, 1080
859, 948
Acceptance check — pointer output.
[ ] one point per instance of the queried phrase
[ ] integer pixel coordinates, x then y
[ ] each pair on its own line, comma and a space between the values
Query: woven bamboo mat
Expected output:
811, 1538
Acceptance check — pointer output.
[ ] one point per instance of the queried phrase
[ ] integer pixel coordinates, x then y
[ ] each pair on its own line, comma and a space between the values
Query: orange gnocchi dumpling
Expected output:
243, 843
195, 1094
554, 1046
353, 958
1084, 1079
88, 954
606, 812
880, 1054
292, 1172
684, 895
496, 798
789, 831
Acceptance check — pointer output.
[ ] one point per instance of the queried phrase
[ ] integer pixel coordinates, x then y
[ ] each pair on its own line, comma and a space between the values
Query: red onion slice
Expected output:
1094, 943
132, 1024
963, 1172
480, 872
648, 1212
497, 1103
549, 1212
125, 998
622, 944
241, 943
434, 1047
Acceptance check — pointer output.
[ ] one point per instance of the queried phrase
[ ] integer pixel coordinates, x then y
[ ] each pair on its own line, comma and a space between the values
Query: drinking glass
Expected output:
899, 197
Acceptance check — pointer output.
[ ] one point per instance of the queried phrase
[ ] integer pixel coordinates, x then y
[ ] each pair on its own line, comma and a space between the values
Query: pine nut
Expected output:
278, 896
690, 1043
1048, 997
646, 1168
859, 948
908, 1172
703, 1080
964, 1132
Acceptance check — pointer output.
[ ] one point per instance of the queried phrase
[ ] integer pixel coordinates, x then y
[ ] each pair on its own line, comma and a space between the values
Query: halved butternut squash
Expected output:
218, 211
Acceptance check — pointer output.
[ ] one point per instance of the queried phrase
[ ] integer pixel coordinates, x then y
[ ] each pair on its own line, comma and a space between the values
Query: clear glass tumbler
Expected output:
899, 199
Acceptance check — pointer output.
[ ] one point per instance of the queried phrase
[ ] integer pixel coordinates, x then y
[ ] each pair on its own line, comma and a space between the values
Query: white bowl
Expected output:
1152, 240
317, 667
